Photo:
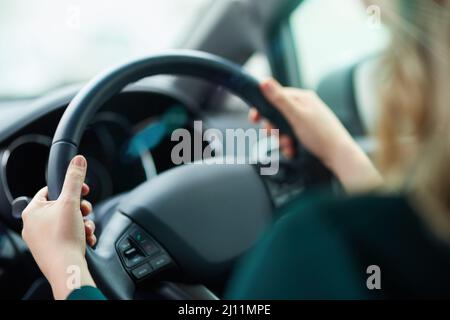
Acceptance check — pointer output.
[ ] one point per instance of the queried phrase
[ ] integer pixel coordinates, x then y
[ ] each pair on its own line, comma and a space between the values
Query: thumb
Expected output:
278, 97
75, 175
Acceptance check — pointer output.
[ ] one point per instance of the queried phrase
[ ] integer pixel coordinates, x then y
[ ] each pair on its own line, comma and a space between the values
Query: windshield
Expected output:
46, 44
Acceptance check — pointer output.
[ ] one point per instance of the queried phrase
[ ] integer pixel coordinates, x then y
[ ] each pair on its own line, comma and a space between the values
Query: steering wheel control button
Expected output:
160, 261
149, 247
136, 234
124, 245
134, 260
144, 241
142, 271
140, 254
130, 252
139, 237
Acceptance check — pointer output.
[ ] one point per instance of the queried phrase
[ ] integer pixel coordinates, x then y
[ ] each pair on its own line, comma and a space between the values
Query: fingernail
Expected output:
79, 161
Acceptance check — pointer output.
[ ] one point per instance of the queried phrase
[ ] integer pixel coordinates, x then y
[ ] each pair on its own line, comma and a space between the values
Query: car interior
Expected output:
178, 218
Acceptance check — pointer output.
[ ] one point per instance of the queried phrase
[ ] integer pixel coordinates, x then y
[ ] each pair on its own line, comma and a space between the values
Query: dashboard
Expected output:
115, 165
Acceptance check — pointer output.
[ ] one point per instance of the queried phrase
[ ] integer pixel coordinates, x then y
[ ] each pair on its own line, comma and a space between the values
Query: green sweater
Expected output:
321, 248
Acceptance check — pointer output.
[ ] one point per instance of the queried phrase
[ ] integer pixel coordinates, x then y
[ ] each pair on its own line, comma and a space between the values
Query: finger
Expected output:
41, 195
277, 95
85, 190
285, 141
287, 146
271, 129
88, 231
288, 152
74, 179
91, 240
254, 116
89, 227
39, 198
85, 207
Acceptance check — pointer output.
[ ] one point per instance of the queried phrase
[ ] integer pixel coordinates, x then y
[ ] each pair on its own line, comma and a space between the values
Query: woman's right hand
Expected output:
319, 130
57, 233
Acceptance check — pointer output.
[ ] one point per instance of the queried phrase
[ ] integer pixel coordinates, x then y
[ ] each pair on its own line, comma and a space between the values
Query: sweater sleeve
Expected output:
86, 293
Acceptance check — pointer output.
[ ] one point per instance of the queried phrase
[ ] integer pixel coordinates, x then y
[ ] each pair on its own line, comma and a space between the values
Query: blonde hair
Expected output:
415, 96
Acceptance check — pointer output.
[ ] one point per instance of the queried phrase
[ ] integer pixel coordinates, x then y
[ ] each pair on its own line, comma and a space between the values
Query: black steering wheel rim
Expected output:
182, 62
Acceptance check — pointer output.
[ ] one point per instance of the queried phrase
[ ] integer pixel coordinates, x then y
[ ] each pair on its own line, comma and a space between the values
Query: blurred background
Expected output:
51, 43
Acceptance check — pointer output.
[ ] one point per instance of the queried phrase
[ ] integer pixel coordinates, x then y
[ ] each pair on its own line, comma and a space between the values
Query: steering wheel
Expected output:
194, 220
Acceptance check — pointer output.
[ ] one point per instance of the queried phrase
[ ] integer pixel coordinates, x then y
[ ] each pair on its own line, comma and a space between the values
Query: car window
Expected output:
330, 34
50, 43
